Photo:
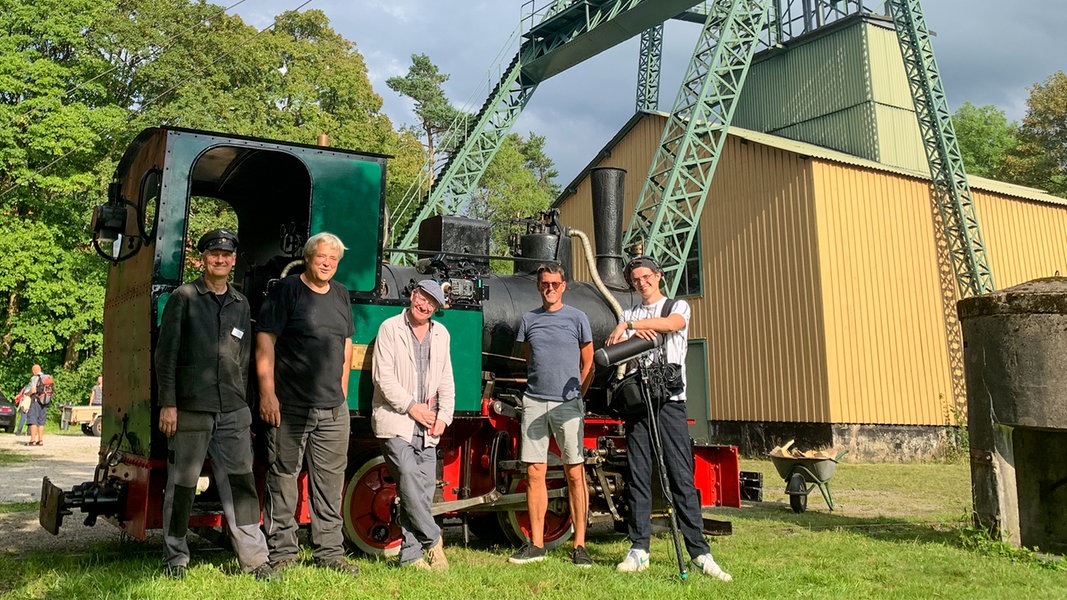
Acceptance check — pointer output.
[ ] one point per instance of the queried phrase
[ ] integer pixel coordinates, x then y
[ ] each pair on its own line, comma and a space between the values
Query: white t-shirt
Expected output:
676, 344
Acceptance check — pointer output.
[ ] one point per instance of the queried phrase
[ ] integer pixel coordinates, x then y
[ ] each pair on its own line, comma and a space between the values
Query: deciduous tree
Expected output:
1040, 157
512, 188
985, 135
79, 79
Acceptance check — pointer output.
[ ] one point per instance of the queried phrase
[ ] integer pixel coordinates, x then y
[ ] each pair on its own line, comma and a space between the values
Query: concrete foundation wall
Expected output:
865, 443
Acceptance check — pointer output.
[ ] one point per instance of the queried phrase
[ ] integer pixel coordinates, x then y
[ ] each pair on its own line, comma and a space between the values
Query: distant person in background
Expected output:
38, 412
96, 396
22, 401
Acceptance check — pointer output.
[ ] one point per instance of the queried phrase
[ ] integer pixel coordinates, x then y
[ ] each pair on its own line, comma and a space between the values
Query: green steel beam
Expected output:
668, 210
648, 68
586, 28
953, 194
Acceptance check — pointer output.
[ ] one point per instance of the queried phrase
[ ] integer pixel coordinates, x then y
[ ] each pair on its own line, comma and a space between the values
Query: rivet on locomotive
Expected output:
281, 193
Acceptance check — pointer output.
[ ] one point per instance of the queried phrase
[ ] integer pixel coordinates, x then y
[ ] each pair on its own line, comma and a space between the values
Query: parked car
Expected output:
8, 412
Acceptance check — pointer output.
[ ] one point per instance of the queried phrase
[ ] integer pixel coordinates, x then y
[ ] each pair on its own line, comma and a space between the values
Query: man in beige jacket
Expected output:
414, 398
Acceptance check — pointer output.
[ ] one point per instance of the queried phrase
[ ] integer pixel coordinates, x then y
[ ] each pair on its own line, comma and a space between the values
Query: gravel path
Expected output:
67, 459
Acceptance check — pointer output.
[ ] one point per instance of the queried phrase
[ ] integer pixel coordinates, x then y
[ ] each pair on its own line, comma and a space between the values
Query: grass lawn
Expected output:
900, 531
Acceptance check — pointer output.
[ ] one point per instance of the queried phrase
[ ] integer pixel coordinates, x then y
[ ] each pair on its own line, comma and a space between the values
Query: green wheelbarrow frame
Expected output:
802, 475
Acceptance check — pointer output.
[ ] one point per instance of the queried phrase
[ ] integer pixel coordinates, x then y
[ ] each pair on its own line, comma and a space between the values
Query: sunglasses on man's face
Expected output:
551, 285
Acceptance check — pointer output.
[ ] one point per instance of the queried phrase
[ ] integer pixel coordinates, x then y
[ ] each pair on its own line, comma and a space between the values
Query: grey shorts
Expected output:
543, 420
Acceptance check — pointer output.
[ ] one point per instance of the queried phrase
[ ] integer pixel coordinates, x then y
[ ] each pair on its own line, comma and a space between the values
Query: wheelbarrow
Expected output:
804, 474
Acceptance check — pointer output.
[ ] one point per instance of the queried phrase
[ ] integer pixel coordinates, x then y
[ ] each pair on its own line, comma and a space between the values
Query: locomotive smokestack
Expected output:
608, 185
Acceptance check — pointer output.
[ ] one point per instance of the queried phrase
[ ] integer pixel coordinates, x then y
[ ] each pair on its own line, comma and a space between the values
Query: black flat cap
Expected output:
218, 239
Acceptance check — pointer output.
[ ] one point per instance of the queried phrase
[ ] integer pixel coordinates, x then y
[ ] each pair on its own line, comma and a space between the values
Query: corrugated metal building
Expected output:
820, 300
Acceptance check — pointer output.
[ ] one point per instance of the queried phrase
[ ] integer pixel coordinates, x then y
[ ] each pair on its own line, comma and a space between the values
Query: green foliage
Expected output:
1040, 158
956, 445
984, 135
13, 507
80, 78
517, 184
979, 540
7, 457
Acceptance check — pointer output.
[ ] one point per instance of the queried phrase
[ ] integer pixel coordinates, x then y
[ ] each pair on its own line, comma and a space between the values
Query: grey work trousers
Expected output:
322, 435
414, 468
227, 440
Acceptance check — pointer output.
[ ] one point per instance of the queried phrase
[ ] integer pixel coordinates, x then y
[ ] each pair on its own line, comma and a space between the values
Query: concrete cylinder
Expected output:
1015, 361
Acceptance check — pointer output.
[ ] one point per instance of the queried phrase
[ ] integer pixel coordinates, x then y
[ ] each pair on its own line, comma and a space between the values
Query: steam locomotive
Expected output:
281, 193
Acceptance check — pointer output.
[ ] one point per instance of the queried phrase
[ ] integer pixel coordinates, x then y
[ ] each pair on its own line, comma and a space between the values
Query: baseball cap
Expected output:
641, 261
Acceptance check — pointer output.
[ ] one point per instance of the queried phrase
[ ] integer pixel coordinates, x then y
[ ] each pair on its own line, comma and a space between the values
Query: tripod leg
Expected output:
657, 450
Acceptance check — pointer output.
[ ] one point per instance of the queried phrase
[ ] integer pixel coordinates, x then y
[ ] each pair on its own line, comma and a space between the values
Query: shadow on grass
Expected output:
779, 516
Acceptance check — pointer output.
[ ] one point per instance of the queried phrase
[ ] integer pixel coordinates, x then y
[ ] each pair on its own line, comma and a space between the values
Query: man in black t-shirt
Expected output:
303, 352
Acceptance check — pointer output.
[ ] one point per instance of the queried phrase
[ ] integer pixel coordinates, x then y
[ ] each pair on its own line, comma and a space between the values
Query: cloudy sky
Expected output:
988, 52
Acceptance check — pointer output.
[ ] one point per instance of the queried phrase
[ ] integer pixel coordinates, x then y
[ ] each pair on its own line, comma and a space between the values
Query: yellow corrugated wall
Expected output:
886, 355
1024, 239
760, 309
821, 295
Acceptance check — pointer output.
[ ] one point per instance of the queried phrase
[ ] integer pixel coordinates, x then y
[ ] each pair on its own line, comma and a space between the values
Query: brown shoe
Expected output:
418, 565
435, 556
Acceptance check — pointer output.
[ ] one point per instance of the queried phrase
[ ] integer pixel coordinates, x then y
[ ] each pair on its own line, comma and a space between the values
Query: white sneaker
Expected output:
708, 565
636, 560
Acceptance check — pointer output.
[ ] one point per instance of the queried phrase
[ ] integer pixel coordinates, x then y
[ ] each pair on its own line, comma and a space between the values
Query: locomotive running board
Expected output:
455, 505
494, 500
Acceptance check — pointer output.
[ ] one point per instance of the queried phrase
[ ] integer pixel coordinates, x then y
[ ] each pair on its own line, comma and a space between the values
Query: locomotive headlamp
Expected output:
109, 222
109, 227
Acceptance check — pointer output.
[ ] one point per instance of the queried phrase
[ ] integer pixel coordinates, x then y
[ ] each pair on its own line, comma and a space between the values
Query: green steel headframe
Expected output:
648, 68
668, 210
672, 198
594, 25
953, 193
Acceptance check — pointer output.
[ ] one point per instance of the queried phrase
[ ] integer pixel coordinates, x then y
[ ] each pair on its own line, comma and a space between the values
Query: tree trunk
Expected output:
70, 355
12, 312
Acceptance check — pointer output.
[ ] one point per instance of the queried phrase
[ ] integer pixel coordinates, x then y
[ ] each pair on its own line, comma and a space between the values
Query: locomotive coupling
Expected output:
93, 499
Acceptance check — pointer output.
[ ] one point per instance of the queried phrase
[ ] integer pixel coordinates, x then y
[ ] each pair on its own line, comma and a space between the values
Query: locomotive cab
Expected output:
171, 186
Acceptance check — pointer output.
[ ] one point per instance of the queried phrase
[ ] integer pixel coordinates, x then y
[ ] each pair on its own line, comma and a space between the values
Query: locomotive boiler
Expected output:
278, 194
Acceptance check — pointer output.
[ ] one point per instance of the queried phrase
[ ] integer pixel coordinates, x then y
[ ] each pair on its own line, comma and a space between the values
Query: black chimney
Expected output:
608, 185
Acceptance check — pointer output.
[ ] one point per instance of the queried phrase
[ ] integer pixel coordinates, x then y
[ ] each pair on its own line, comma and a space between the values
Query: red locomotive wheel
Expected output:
368, 510
558, 527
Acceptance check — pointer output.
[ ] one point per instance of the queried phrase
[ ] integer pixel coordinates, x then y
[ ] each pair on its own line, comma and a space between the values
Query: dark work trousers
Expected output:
227, 440
414, 468
322, 435
21, 422
678, 457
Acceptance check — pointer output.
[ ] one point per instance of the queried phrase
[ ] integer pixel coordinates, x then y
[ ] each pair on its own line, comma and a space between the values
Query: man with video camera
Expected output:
647, 320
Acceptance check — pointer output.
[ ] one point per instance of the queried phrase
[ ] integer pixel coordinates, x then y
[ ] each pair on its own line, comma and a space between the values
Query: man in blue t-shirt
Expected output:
559, 350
